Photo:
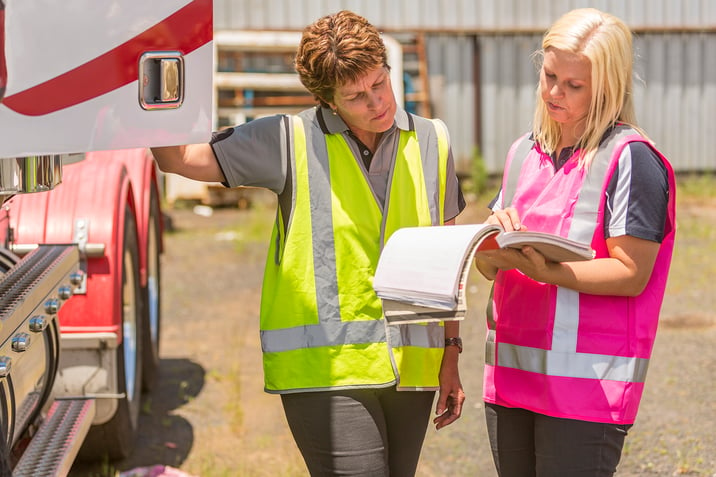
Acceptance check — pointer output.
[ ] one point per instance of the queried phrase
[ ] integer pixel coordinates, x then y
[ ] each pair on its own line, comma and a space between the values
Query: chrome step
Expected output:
54, 447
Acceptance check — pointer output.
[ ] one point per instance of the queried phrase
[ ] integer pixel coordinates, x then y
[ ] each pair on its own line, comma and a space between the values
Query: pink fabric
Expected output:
530, 319
570, 398
524, 310
546, 199
155, 471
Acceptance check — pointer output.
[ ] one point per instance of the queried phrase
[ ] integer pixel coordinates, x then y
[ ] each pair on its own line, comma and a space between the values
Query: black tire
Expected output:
151, 296
114, 440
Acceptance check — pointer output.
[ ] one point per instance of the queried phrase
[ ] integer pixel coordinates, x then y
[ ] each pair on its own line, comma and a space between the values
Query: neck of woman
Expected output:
368, 138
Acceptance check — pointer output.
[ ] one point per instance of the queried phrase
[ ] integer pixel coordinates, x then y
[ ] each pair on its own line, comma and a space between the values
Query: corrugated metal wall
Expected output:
452, 15
483, 80
508, 79
674, 95
676, 102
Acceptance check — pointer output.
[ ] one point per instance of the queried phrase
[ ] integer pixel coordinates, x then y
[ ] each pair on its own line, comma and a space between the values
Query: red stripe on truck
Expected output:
185, 30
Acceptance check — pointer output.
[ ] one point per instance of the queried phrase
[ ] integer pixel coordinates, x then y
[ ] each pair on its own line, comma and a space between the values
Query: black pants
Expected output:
359, 432
527, 444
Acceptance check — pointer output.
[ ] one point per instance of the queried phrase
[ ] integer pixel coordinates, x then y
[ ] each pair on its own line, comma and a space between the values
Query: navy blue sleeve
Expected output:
637, 195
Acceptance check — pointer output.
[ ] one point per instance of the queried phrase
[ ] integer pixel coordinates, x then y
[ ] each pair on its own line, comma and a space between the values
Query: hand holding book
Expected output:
555, 248
422, 271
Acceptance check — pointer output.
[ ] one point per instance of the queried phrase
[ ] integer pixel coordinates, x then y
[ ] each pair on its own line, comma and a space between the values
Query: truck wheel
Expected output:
152, 297
115, 438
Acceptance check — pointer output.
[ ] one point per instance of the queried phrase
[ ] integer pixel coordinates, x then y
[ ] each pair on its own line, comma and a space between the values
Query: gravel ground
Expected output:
210, 417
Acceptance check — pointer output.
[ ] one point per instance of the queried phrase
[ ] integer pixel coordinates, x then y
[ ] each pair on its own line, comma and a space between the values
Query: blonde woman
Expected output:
569, 343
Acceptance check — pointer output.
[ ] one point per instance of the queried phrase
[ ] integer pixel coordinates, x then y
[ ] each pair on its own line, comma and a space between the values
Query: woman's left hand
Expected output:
527, 260
451, 395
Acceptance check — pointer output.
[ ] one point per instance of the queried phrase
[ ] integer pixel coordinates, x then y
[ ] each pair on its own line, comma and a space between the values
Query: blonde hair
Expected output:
337, 49
607, 43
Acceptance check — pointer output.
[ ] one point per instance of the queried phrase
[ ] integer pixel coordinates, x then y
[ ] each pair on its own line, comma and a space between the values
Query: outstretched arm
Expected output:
195, 161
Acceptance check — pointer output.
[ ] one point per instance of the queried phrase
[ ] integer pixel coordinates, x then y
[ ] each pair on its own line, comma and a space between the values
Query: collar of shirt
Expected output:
564, 156
332, 123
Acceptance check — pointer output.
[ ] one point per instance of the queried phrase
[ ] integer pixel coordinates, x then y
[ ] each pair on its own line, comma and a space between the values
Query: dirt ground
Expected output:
209, 415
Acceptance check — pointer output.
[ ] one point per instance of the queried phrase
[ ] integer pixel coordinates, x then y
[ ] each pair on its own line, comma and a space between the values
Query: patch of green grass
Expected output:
256, 228
234, 408
696, 186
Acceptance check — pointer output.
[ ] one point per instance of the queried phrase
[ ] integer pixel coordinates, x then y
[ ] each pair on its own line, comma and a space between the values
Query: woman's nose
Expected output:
374, 99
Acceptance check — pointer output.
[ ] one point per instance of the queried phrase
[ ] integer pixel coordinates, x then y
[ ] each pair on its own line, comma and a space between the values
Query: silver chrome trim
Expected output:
30, 174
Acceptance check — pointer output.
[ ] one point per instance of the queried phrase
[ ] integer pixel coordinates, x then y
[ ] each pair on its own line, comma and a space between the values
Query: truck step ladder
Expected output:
55, 445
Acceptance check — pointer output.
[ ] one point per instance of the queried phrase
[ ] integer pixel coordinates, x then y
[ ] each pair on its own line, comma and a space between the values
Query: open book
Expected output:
422, 271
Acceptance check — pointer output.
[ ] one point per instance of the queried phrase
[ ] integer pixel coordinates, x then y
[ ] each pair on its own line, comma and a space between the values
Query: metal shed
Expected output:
480, 78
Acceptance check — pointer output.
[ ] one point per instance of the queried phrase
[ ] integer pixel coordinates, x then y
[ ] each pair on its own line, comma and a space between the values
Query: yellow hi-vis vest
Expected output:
322, 325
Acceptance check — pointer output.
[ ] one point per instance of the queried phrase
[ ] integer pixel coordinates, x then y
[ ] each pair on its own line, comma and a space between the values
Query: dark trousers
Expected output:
359, 432
527, 444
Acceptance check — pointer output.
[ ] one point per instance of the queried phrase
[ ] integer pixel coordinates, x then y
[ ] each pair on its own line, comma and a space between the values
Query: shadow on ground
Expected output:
164, 437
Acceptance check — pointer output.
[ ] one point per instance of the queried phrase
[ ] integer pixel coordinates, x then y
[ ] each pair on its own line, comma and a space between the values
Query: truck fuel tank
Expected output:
32, 290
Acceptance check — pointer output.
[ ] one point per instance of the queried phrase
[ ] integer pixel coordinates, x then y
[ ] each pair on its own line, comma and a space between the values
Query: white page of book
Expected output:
425, 264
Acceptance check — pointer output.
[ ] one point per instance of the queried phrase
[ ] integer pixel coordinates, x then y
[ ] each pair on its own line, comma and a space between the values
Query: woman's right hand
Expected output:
488, 262
508, 219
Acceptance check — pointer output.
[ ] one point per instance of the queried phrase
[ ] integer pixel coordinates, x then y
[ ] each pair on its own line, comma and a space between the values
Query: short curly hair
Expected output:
337, 49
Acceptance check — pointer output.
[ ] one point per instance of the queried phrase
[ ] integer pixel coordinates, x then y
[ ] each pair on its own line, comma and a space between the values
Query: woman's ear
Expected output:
327, 104
333, 107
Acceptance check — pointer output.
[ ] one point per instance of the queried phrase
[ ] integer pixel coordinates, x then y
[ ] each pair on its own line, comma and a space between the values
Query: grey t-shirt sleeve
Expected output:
253, 154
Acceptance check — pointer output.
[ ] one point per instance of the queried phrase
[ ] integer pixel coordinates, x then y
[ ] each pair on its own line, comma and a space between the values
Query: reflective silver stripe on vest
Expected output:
351, 332
567, 364
590, 196
429, 147
513, 175
324, 248
563, 359
428, 335
331, 331
326, 334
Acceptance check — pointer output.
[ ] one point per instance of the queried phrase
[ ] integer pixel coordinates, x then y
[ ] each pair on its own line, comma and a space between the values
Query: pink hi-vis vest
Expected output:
553, 350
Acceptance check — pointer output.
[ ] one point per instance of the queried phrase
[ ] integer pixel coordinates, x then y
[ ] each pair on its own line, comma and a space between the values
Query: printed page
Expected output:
423, 265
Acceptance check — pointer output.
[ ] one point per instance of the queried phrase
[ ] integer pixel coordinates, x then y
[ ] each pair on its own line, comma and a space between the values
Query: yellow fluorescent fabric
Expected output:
311, 343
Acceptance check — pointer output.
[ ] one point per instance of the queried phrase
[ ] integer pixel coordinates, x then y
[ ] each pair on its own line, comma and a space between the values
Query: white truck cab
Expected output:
85, 88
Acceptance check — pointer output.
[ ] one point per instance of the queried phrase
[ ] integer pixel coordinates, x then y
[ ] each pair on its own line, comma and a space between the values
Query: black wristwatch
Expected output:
454, 342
